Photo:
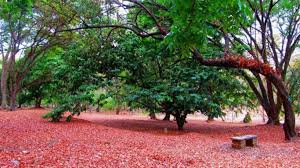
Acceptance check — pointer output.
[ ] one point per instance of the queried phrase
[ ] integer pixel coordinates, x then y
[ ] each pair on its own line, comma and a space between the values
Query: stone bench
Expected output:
240, 142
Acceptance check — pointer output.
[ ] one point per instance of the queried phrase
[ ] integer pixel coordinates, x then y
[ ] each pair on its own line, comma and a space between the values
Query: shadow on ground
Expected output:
215, 129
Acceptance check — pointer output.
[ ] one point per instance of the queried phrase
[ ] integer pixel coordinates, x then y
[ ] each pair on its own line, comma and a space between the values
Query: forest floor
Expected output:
101, 140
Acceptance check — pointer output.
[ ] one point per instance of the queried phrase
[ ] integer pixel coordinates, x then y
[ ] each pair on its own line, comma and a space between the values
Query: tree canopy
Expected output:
163, 56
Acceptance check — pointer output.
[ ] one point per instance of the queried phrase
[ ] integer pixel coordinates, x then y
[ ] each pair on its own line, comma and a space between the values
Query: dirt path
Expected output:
27, 140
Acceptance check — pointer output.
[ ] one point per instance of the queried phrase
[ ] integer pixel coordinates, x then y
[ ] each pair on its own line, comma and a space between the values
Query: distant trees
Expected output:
293, 83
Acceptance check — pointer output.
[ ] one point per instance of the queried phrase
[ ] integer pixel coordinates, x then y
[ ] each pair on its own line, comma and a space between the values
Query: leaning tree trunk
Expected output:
289, 115
272, 75
4, 85
265, 97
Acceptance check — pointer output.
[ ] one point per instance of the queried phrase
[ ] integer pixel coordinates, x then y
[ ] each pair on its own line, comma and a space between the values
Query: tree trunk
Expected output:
167, 116
266, 70
38, 102
118, 110
4, 85
152, 116
265, 97
13, 95
180, 120
289, 115
13, 100
13, 84
210, 118
273, 120
273, 114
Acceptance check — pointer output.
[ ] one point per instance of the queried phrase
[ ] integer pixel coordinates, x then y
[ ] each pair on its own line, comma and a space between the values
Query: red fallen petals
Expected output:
27, 140
242, 62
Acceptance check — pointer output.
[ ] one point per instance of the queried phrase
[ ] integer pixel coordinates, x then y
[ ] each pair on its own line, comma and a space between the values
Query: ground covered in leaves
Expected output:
98, 140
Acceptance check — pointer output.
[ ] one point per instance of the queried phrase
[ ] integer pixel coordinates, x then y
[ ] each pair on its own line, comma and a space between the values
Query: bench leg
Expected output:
251, 142
238, 144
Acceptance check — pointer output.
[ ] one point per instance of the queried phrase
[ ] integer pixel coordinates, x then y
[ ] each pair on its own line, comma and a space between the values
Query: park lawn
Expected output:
101, 140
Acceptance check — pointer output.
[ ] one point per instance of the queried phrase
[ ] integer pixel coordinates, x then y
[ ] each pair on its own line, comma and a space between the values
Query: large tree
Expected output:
158, 79
251, 43
28, 30
245, 30
272, 39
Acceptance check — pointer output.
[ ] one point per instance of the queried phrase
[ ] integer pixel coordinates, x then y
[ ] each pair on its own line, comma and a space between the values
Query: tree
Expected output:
28, 29
261, 13
39, 84
271, 47
159, 80
14, 16
76, 74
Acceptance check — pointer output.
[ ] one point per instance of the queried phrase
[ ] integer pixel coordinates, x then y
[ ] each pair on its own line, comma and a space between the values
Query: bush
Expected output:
247, 118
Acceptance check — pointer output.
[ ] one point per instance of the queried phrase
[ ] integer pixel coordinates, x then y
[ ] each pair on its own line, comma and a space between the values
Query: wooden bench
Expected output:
240, 142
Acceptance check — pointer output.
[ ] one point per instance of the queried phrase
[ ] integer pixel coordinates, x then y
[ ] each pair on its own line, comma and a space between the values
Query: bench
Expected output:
240, 142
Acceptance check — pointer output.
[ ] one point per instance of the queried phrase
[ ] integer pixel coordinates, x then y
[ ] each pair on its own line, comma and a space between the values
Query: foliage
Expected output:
38, 85
75, 79
109, 104
194, 21
293, 84
160, 80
